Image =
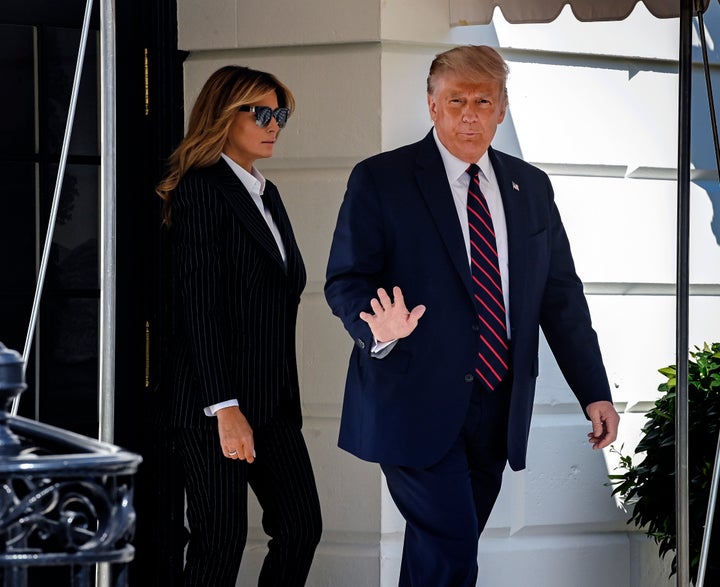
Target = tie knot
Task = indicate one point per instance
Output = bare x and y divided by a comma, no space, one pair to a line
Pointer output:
472,169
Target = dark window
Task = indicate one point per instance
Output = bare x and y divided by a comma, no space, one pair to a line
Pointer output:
38,55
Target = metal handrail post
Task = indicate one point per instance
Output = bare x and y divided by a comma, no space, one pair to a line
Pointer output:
107,222
682,297
107,238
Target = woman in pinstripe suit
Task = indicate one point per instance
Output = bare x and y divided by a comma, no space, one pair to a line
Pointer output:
238,276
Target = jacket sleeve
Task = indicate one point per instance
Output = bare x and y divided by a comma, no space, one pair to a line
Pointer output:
357,256
566,323
200,240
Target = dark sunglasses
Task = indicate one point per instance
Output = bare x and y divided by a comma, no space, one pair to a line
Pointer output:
263,115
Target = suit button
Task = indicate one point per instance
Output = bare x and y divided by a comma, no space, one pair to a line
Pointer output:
360,343
475,327
469,378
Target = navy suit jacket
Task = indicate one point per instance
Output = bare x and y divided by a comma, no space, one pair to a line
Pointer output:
398,226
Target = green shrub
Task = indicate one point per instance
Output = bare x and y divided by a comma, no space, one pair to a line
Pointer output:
648,485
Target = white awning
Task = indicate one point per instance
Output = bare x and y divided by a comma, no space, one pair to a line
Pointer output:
467,12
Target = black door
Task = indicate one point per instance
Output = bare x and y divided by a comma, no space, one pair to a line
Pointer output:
39,42
36,72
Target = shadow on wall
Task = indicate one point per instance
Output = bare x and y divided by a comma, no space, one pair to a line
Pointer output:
711,18
712,189
703,147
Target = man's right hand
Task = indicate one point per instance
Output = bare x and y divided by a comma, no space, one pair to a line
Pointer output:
391,319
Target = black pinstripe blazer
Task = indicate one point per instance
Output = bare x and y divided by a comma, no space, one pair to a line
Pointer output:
236,302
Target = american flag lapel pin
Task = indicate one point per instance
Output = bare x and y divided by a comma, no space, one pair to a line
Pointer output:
516,187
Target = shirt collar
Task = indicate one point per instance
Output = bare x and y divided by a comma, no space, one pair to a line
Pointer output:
254,182
456,168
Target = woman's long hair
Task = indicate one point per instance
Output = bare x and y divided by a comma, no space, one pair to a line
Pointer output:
213,113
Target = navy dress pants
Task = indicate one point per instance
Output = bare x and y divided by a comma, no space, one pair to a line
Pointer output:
447,505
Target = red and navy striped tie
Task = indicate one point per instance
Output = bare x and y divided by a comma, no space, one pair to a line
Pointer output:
492,360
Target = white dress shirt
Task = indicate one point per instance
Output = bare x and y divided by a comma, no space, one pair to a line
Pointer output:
255,184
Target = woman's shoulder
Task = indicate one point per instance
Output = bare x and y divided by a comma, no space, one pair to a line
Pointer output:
199,181
202,175
198,188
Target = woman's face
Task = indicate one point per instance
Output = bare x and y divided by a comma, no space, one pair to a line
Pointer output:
246,141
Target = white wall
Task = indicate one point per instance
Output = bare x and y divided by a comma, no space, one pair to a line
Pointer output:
595,104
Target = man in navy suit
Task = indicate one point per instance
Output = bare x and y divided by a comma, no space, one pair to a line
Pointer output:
403,278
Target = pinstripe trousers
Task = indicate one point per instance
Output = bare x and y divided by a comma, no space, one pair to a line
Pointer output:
282,479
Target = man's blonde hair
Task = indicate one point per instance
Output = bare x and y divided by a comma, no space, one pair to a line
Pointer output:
474,62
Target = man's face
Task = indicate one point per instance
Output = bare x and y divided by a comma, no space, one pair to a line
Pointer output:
466,114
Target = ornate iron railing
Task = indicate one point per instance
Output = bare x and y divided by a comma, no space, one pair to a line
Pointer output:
65,499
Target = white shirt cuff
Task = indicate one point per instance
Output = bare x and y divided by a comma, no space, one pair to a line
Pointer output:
211,410
380,350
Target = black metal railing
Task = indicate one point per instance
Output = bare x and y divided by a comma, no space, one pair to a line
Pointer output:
66,500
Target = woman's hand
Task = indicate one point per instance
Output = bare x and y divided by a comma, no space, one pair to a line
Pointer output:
236,435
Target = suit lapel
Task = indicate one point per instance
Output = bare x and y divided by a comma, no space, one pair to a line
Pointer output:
295,265
434,188
513,196
244,207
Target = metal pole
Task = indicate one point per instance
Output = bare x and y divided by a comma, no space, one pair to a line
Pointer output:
682,296
712,498
107,222
107,238
56,195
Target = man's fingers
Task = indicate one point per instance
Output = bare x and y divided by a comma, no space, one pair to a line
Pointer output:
605,421
398,296
598,429
388,320
417,312
610,426
604,432
596,436
384,298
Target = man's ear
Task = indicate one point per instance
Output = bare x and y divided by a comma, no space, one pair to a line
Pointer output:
504,103
502,115
432,107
